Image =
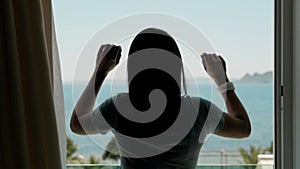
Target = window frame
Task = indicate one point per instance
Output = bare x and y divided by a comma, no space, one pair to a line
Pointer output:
284,79
284,154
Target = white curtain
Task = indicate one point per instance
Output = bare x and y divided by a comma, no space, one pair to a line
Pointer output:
59,99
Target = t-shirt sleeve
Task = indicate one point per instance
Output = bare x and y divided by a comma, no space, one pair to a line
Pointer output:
221,124
103,117
213,118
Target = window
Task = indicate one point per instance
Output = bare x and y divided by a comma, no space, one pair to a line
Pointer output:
242,32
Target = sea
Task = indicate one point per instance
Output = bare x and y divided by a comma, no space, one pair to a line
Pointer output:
256,97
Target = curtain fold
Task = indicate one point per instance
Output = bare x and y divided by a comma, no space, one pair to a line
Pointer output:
32,133
58,99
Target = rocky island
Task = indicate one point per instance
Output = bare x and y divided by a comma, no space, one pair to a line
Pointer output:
266,77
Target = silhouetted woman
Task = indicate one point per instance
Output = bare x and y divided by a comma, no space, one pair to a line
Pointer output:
155,126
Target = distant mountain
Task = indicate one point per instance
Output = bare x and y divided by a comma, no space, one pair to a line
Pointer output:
257,78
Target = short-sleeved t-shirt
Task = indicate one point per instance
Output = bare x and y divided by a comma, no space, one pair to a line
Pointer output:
183,155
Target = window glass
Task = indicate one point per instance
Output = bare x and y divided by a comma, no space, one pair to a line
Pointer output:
242,32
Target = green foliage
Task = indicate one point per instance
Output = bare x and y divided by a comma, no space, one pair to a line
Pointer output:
112,151
251,156
71,149
94,159
269,149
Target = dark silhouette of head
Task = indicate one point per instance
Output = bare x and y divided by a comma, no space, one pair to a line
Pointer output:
154,39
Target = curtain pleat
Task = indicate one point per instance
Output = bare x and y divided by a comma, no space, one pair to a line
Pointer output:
59,99
29,127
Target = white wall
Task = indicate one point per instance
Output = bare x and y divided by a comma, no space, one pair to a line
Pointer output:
296,84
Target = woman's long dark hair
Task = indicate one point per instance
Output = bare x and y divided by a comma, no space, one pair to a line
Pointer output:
141,84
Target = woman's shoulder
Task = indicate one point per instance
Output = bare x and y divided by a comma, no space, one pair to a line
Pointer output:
194,99
120,96
111,100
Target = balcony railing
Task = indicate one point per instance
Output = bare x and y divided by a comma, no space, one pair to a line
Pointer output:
207,160
116,166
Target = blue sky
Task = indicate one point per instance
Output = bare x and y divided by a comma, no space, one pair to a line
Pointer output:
242,31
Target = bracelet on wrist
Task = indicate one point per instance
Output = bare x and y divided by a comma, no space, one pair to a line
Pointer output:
228,86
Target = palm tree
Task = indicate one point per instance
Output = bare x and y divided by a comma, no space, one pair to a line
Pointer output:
251,156
112,151
94,159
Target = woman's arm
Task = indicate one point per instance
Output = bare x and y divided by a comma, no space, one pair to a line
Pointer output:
107,58
237,123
